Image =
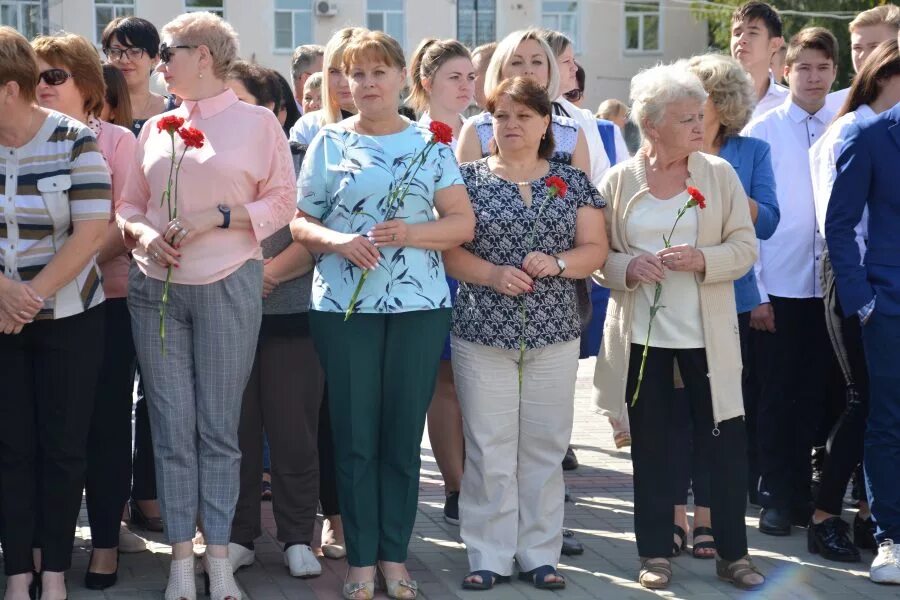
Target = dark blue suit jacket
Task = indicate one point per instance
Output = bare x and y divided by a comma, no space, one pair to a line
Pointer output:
868,174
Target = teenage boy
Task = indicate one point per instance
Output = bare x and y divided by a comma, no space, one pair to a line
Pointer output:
756,37
790,331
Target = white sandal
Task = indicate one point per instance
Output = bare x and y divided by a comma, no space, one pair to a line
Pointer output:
219,579
182,584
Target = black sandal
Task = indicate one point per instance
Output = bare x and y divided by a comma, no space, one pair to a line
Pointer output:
677,548
488,580
538,578
698,531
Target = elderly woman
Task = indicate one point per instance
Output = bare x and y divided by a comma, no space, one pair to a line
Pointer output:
380,349
728,109
233,192
539,229
284,392
524,53
108,478
709,248
55,213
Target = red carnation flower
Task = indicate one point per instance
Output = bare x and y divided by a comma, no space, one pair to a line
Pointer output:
192,138
443,133
697,198
169,124
557,186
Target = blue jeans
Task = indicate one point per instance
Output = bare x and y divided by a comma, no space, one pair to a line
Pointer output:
881,337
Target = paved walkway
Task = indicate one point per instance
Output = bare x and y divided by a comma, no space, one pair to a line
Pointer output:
601,514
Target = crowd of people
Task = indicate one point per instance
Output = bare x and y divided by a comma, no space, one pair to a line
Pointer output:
299,275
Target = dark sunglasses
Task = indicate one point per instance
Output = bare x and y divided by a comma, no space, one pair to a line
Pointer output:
574,95
55,76
165,51
117,54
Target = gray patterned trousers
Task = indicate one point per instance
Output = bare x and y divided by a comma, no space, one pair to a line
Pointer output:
194,392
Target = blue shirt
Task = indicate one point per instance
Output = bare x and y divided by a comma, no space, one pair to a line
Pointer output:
344,182
752,160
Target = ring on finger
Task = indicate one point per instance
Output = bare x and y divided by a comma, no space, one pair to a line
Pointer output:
393,237
178,237
509,286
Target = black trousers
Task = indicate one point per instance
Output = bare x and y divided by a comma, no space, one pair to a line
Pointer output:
793,375
651,432
51,371
691,466
143,485
750,384
328,494
844,448
108,480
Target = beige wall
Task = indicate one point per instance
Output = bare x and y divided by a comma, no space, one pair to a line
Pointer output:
601,42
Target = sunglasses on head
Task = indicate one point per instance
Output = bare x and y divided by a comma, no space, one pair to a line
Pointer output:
55,76
574,95
165,51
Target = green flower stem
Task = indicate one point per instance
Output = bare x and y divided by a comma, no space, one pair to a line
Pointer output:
172,211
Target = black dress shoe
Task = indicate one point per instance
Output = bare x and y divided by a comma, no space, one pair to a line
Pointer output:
864,533
775,521
142,521
100,581
571,546
570,461
831,539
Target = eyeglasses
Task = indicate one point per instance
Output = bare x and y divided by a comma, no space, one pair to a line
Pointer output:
55,76
117,54
574,95
165,51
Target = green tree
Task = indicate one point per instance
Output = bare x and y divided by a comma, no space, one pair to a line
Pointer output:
834,15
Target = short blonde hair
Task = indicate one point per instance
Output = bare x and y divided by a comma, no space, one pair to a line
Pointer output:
207,29
313,82
887,14
730,89
373,46
18,63
653,89
333,59
611,108
504,52
77,55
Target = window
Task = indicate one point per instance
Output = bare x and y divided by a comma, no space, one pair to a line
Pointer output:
476,22
24,16
213,6
642,26
386,16
562,17
293,23
107,10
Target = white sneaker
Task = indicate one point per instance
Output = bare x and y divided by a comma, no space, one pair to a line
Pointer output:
130,542
301,561
240,556
886,566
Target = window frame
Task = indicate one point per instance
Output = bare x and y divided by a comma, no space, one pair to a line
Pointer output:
116,6
20,5
641,16
212,9
558,14
475,13
384,13
276,49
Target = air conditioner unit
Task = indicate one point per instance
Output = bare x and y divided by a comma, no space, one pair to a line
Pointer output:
326,9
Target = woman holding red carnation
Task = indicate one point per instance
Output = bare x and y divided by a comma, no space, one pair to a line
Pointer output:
680,235
235,188
515,338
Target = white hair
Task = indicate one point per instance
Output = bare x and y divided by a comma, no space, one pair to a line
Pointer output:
653,89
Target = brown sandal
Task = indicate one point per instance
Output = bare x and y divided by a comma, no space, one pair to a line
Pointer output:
652,570
738,572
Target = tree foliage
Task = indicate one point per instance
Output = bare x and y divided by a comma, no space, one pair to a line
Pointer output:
834,15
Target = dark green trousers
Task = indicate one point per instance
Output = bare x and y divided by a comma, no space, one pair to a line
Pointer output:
380,370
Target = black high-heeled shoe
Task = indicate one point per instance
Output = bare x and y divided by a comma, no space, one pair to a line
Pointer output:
101,581
139,519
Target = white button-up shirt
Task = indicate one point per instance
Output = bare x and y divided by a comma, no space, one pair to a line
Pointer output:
790,261
598,157
774,97
823,159
835,100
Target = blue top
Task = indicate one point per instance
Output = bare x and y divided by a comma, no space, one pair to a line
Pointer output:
752,160
344,182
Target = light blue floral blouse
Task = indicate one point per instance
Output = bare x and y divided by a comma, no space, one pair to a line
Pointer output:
344,182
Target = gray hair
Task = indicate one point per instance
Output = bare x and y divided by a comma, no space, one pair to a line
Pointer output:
653,89
303,57
210,30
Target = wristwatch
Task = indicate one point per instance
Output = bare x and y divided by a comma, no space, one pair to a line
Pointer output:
226,216
561,264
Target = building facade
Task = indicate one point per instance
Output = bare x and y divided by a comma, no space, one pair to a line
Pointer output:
614,39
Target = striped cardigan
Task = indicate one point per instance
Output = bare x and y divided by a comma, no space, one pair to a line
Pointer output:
55,179
725,236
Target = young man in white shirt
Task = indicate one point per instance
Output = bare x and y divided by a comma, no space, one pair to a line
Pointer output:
756,35
867,31
791,336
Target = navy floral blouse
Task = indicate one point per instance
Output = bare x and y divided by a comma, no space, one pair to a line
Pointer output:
503,224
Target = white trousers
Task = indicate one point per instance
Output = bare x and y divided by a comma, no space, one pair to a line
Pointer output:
511,501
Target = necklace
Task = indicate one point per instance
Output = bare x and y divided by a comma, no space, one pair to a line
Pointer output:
502,168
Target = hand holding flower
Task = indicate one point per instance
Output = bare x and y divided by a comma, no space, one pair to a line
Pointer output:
644,268
538,265
682,258
156,247
510,281
358,250
184,229
391,234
